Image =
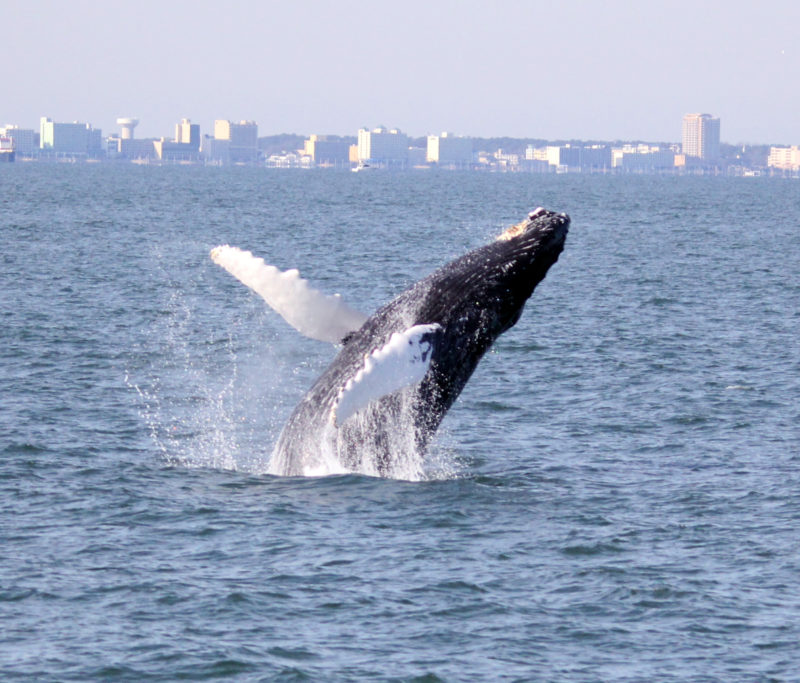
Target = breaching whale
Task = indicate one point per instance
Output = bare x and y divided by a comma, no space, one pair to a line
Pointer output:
399,370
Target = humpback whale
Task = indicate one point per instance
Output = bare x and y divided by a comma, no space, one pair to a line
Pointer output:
398,371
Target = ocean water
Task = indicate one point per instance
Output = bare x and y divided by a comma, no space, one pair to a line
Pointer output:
615,497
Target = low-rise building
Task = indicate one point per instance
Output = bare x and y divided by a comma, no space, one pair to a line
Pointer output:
784,158
571,157
536,153
642,158
170,150
327,152
505,160
289,160
23,140
69,139
6,149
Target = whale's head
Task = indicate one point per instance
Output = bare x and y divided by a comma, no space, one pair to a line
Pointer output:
482,294
541,225
522,254
517,261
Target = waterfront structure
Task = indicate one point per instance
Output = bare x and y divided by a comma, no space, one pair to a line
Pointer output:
784,158
127,125
326,152
700,137
242,137
449,150
289,160
23,140
383,147
69,139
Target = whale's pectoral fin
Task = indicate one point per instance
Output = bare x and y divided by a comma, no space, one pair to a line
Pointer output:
309,311
401,362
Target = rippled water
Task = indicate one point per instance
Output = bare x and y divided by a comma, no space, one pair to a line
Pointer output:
614,497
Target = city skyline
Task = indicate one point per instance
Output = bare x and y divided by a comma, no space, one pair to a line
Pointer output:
522,69
121,127
127,127
239,143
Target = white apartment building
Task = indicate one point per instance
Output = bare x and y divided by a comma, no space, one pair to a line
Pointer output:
383,146
69,138
642,158
700,136
449,149
784,158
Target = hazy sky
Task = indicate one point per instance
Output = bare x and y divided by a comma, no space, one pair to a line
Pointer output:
590,70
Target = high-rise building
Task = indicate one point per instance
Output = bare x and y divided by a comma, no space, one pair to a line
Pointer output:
188,133
701,136
449,149
383,146
242,139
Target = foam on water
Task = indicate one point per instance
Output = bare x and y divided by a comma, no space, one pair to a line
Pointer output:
322,453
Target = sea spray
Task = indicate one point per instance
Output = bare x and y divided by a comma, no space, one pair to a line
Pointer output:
204,397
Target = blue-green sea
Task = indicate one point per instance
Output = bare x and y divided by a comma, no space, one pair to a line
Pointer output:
614,497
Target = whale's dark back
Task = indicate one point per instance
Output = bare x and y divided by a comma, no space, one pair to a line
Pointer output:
474,299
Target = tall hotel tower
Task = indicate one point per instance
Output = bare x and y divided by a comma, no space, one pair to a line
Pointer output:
701,136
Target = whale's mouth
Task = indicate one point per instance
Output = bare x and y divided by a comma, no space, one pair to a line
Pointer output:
539,217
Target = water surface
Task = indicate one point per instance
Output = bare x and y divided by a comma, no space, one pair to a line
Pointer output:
614,496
